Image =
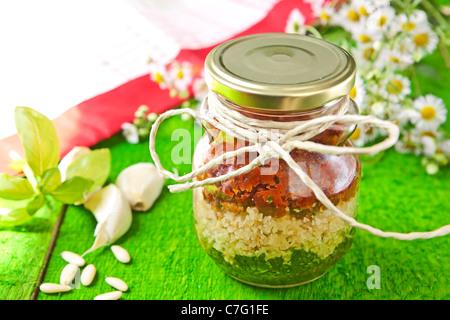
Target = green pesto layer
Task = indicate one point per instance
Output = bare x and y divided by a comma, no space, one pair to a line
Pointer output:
304,265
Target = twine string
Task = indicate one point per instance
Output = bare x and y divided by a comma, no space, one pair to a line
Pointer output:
272,140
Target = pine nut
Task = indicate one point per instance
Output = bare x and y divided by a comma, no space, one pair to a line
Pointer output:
117,283
121,254
88,274
67,274
73,258
114,295
54,288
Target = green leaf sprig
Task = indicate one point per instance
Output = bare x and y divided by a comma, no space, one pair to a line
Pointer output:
42,177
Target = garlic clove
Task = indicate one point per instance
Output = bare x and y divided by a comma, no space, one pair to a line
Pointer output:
70,157
141,184
113,214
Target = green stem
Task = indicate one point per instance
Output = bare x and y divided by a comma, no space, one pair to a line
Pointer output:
314,31
434,12
415,80
445,55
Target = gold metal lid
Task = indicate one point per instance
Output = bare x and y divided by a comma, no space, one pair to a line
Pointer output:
279,71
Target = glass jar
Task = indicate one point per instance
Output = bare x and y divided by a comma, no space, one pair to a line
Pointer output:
266,227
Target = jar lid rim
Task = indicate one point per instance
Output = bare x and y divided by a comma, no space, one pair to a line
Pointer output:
280,71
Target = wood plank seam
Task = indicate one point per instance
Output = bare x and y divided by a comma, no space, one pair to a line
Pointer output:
48,255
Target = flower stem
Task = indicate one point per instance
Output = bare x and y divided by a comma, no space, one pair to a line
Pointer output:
415,80
428,6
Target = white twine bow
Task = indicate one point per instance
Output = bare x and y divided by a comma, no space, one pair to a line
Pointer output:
292,135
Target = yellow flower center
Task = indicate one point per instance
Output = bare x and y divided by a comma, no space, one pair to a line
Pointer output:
158,78
428,113
408,26
363,11
395,59
421,39
395,87
382,21
324,16
353,15
365,38
353,92
428,134
368,53
180,74
356,134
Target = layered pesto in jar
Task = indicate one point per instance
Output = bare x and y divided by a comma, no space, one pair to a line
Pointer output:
269,229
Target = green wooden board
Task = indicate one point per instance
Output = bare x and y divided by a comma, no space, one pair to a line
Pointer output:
168,263
23,250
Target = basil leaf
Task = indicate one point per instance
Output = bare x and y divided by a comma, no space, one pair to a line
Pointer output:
51,179
94,165
39,139
17,216
15,188
14,217
72,190
35,204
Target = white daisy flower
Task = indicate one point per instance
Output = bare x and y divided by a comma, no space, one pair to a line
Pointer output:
429,145
364,7
397,88
400,115
350,17
404,145
417,20
426,141
358,137
363,135
327,14
378,109
130,133
366,35
315,5
181,74
381,18
364,54
358,92
410,141
397,60
158,74
423,41
295,22
432,112
200,88
435,134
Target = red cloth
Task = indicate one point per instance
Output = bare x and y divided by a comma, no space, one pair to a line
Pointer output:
100,117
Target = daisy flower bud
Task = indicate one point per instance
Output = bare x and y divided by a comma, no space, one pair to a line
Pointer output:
130,133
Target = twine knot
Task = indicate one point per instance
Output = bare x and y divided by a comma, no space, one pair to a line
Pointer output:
272,139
